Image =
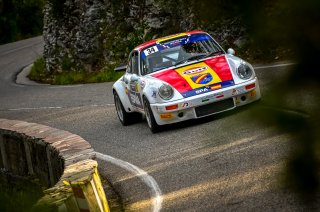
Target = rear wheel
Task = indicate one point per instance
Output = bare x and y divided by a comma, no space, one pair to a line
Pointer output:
124,117
154,127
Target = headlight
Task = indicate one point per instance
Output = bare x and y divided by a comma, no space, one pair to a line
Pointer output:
165,92
244,71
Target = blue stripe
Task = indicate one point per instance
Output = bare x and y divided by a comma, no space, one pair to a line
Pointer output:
206,89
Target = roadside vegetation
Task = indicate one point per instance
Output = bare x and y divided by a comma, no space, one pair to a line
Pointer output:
17,194
71,76
20,19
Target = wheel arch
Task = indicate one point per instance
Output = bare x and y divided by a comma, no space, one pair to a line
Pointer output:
120,91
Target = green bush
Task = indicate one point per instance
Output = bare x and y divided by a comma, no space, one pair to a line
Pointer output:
68,76
20,19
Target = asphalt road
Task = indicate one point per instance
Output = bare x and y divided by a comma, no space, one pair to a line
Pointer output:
229,162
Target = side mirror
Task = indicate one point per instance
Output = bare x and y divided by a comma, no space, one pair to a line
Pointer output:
231,51
120,68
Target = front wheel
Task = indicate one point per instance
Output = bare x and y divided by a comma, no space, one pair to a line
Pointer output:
154,127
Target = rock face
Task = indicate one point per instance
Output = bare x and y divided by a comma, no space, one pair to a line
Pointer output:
90,34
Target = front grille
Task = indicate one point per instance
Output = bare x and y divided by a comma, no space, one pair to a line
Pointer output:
215,107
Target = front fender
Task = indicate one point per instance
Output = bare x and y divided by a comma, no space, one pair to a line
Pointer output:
121,91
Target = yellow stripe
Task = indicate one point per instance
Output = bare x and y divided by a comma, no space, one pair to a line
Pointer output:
171,37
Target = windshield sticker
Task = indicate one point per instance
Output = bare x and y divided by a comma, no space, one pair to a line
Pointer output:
199,37
171,37
150,50
176,42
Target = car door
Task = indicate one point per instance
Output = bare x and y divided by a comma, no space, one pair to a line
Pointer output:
133,79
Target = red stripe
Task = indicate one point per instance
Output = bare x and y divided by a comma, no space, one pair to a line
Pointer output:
221,67
174,79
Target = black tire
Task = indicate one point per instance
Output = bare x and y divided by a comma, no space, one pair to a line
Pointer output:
124,117
154,127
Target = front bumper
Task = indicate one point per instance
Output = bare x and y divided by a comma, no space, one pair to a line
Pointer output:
207,104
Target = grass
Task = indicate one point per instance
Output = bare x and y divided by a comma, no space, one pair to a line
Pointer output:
17,194
39,74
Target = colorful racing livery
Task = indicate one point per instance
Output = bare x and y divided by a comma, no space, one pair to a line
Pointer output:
204,76
180,77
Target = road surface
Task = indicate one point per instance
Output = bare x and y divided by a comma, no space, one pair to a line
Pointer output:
221,163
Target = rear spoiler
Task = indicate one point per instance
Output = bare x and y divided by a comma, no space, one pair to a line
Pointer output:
120,68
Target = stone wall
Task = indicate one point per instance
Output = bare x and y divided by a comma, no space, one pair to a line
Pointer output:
88,34
28,149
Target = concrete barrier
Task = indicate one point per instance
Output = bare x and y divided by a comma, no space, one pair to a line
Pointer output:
62,161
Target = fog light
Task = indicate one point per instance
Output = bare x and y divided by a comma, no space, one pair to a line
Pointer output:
243,98
180,115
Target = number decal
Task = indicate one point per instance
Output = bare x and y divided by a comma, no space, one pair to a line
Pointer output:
151,50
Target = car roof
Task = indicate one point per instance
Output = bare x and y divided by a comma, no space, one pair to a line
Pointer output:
154,41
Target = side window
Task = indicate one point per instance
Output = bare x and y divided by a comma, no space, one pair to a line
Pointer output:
134,63
129,69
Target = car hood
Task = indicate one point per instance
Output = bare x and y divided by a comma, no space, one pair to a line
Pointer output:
198,78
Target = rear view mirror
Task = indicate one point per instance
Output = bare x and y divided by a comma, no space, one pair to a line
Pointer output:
120,68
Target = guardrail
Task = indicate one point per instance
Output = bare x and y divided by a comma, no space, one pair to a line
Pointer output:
62,161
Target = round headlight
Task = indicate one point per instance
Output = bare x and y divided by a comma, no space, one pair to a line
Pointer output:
166,92
244,71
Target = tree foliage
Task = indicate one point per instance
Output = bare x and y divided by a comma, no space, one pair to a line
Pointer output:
20,19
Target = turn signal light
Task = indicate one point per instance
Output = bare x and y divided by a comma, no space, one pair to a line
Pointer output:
171,107
248,87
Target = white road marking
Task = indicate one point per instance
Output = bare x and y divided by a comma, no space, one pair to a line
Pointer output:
273,66
34,108
45,108
66,86
144,176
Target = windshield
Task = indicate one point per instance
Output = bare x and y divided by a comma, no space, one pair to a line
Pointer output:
177,51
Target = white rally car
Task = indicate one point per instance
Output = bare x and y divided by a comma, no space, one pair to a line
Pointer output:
180,77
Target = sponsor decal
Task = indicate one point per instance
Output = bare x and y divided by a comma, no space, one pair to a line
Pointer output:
238,91
154,94
185,105
215,87
234,92
135,99
202,90
142,84
195,70
202,78
132,87
197,75
253,93
166,116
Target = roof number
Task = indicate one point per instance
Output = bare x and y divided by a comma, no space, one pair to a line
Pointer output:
151,50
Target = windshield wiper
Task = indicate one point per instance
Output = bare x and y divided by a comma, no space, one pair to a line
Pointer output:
214,53
194,57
